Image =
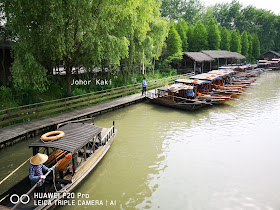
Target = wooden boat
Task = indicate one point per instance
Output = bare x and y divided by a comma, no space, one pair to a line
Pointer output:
87,145
214,99
174,96
184,104
204,95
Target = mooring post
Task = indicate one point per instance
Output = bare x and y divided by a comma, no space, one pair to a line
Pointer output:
113,126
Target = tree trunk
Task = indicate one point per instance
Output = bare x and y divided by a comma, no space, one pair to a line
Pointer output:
68,80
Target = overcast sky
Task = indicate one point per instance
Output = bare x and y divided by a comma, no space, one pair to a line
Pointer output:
273,5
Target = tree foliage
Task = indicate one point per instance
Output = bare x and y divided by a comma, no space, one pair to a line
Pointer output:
250,46
225,39
182,29
80,33
214,38
235,41
255,46
174,46
189,10
244,44
199,37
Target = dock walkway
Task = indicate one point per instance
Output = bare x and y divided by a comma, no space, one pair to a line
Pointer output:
18,132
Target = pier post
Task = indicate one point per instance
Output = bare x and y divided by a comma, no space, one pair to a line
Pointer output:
113,126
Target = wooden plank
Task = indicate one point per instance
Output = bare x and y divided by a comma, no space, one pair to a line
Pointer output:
50,106
4,115
22,111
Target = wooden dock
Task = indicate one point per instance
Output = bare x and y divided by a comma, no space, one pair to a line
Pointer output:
14,133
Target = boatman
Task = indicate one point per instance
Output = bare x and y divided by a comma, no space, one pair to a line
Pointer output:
37,170
144,86
190,93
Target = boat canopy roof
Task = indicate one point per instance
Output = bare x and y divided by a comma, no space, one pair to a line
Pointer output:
174,88
189,82
224,72
206,76
76,136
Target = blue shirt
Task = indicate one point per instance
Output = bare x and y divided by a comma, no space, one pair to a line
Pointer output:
144,83
190,92
35,171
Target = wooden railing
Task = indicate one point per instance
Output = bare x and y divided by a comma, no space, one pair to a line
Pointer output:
108,134
37,110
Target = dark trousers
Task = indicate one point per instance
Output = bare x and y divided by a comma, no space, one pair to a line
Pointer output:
144,90
40,189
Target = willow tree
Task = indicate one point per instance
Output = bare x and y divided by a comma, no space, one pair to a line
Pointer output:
60,32
146,32
244,44
199,37
214,37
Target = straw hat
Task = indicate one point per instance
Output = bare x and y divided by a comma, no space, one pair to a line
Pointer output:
38,159
190,87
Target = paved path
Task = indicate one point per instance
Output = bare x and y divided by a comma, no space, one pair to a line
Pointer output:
21,129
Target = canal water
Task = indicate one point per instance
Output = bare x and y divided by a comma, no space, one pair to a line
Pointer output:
222,157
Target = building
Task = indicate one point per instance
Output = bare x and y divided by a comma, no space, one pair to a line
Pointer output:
208,60
270,55
193,60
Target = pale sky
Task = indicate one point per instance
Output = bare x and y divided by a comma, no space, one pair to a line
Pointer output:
273,5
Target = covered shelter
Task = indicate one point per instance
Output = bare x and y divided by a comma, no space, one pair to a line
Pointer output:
192,60
223,55
206,58
269,55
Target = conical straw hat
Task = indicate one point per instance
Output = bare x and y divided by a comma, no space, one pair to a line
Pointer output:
38,159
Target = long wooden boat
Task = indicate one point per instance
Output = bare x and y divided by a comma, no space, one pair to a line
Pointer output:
85,144
183,104
214,99
175,96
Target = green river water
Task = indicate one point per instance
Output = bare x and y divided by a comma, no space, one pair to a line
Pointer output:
221,157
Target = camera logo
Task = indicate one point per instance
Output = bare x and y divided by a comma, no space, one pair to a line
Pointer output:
15,199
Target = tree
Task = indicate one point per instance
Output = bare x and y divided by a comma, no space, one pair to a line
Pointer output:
80,33
71,33
189,10
256,46
182,29
250,48
174,46
235,45
192,11
190,37
199,37
214,38
225,39
244,44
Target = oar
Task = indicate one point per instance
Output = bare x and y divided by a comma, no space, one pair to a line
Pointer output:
10,174
14,171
